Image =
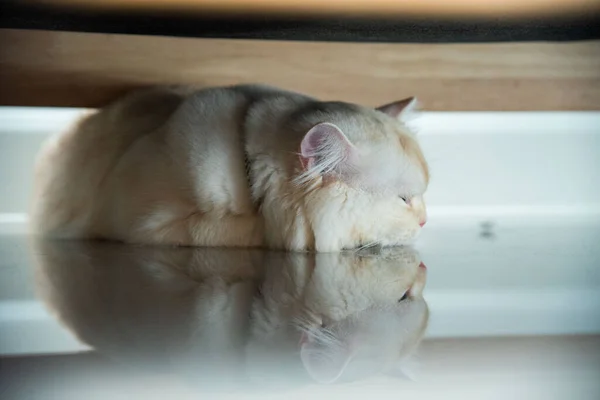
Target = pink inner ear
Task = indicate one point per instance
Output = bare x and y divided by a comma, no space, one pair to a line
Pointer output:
305,162
317,136
396,108
313,140
322,141
309,146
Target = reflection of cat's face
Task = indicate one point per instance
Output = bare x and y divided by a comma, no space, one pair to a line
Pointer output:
367,323
356,313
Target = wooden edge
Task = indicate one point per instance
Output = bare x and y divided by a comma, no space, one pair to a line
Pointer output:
43,68
357,8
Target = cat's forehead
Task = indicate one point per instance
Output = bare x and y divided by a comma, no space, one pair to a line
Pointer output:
390,156
391,165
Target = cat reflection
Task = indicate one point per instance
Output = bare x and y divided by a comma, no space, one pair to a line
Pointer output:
239,316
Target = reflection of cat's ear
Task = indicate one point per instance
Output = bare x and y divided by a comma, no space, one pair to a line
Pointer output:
324,365
325,148
406,368
400,109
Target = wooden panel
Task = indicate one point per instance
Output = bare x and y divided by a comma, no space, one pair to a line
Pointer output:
42,68
404,8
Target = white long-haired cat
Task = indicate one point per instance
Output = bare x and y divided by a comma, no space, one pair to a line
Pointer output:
230,318
240,166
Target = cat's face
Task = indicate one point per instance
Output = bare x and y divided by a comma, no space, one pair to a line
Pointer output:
367,176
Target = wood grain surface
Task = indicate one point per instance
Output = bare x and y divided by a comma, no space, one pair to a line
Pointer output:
50,68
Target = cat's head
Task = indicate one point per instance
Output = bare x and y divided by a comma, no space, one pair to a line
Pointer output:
363,173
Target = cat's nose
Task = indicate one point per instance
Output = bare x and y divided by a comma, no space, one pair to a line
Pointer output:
422,223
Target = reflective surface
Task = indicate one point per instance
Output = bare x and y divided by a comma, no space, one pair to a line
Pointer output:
239,315
98,319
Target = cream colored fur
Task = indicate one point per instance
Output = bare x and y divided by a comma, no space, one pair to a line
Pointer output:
167,166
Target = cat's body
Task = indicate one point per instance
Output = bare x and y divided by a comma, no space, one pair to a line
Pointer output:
241,166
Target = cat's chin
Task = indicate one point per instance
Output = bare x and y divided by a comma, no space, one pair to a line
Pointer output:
411,238
405,242
401,242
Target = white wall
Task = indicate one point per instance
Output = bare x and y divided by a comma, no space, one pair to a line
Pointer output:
502,160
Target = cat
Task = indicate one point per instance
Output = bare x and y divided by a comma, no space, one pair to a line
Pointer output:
229,318
239,166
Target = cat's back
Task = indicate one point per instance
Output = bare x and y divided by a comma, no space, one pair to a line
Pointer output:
74,166
181,146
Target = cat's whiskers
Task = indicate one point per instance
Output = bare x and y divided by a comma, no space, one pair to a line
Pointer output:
320,334
367,245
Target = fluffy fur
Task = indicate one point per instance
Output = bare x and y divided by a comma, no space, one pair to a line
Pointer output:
244,166
239,315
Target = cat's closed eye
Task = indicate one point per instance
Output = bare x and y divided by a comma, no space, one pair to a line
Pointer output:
404,199
404,297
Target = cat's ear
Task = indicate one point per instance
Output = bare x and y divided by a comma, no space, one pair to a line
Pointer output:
325,148
401,109
324,365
